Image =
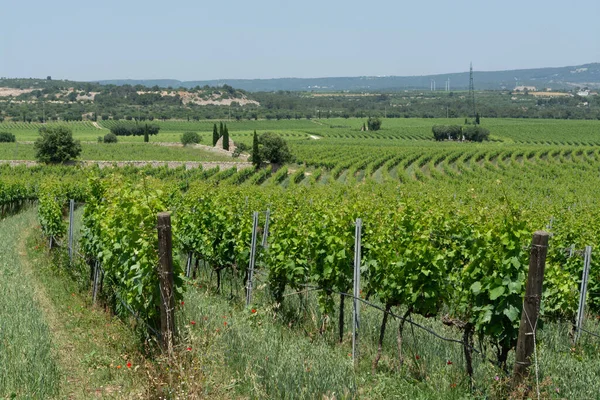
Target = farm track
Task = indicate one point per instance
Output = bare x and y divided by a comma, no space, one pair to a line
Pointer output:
63,348
81,337
28,362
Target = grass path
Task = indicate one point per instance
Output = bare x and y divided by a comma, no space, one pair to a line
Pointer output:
88,354
28,368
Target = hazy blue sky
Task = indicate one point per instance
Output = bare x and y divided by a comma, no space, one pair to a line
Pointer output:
195,40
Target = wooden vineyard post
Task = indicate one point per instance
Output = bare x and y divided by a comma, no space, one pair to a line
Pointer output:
531,305
71,211
356,292
252,259
583,292
165,275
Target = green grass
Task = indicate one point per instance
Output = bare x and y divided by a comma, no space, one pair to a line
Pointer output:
120,152
53,344
262,358
28,368
92,347
171,131
143,151
279,352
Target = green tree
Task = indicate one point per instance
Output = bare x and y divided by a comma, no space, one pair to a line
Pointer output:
225,138
8,137
190,138
477,117
110,138
256,158
374,124
274,149
476,133
215,135
72,96
56,145
447,132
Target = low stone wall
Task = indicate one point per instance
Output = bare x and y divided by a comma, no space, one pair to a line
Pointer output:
14,163
171,164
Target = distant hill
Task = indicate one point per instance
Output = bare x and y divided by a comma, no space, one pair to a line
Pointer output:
555,78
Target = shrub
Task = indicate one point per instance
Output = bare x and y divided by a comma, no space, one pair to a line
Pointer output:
273,149
7,137
471,133
447,132
135,130
121,130
110,138
374,124
56,145
476,133
242,147
190,138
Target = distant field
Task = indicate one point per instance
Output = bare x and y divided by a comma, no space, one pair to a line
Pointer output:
325,141
534,131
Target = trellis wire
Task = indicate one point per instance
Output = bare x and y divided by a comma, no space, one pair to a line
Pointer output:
588,332
127,307
397,317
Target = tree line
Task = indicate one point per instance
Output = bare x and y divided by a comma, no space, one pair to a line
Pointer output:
125,103
471,133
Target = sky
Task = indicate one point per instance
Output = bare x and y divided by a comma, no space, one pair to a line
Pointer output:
202,40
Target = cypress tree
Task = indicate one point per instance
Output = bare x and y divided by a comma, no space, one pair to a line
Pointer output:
256,161
225,138
215,135
220,129
146,137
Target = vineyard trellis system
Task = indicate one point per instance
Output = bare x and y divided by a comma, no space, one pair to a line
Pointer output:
423,254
